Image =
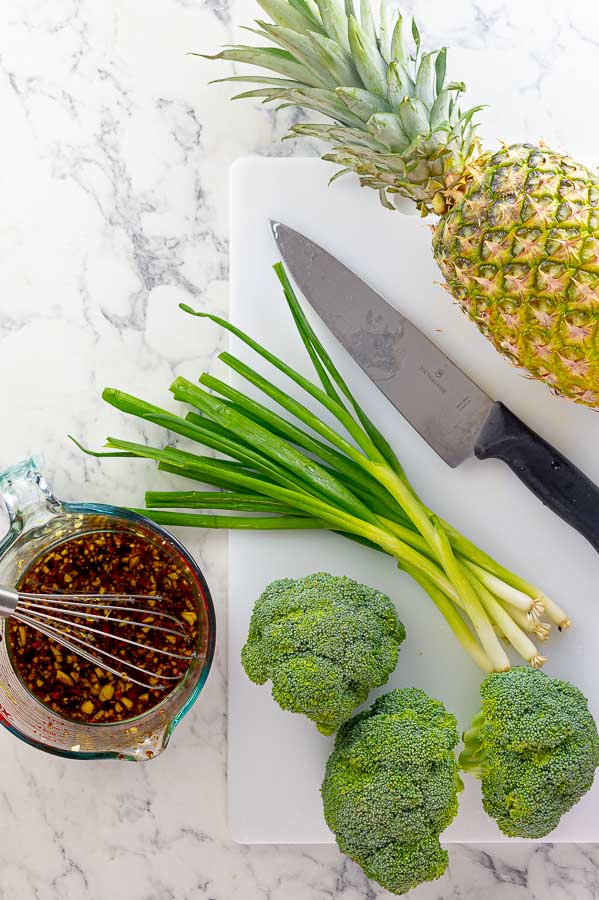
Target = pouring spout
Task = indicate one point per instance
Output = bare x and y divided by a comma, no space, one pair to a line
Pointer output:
146,745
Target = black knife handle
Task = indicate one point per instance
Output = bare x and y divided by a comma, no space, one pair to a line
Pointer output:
543,469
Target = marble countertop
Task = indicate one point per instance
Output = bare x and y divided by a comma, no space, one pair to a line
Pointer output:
114,161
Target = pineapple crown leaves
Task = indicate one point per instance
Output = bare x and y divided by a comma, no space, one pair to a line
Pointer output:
396,122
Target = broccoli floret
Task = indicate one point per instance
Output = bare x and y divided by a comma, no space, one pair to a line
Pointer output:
391,787
324,642
534,745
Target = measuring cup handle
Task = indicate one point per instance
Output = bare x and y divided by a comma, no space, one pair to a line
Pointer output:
26,495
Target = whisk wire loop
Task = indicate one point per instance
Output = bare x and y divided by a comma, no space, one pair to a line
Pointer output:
77,645
66,618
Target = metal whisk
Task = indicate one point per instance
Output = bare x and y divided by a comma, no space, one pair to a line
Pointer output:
75,628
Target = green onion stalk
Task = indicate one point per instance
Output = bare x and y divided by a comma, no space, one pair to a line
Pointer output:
285,468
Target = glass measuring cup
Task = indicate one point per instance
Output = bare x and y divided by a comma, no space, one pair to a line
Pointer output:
39,521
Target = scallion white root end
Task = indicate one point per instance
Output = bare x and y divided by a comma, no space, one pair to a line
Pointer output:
533,606
540,629
537,608
538,661
555,612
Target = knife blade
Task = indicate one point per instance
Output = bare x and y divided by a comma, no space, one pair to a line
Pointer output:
446,408
452,413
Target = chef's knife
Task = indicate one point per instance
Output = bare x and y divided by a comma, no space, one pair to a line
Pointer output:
449,410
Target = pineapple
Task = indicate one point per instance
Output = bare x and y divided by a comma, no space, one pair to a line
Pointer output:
517,233
519,250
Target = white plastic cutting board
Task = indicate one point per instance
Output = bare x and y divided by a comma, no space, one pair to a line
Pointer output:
276,759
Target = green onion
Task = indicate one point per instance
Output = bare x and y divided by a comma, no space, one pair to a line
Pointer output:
249,523
285,468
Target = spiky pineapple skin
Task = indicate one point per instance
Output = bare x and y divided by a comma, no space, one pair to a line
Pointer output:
519,251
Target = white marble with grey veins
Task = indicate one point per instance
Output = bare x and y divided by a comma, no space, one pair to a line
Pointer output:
114,157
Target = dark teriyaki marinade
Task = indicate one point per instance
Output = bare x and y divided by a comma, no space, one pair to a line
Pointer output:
111,562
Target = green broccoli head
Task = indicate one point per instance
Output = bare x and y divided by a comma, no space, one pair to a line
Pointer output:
391,787
324,642
534,745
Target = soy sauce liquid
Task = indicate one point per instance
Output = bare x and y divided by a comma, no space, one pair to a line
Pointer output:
105,562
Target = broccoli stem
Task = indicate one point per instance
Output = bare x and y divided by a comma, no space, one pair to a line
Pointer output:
471,759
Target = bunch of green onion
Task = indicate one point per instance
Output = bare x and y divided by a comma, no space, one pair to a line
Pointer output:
294,471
